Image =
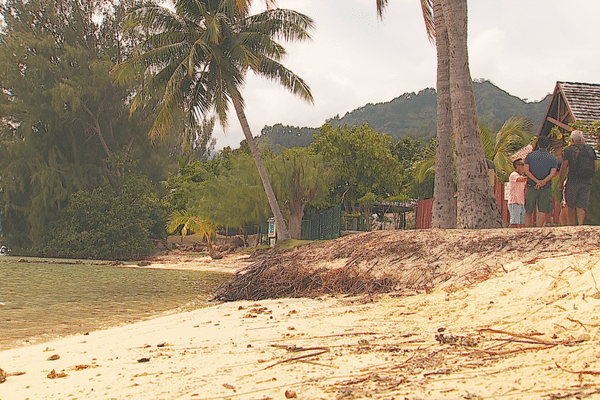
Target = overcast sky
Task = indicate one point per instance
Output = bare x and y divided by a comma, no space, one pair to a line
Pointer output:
522,46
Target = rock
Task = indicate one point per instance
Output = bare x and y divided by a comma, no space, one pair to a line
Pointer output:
290,394
54,357
3,375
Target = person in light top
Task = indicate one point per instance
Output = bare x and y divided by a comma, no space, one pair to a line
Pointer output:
517,184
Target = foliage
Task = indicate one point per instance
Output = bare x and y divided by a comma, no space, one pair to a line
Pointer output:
414,114
424,170
279,136
60,115
498,147
234,196
186,221
195,58
105,225
300,178
363,162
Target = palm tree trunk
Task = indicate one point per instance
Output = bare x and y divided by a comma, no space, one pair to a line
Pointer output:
282,230
444,206
477,207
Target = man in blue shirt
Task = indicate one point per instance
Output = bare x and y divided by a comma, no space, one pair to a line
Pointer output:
540,168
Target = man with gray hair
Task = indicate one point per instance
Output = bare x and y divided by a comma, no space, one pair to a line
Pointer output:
579,165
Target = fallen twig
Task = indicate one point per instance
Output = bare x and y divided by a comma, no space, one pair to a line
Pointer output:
318,353
578,372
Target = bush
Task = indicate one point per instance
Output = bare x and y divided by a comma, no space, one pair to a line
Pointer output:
106,225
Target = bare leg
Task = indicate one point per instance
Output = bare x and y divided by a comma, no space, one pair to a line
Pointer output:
541,219
528,219
570,216
563,218
580,216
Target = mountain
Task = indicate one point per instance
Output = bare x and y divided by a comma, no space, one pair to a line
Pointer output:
414,115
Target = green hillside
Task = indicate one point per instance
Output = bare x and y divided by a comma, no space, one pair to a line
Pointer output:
413,115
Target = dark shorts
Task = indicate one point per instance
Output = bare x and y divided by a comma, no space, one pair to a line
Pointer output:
577,195
540,197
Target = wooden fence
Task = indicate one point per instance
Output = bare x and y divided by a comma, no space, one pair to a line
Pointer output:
424,208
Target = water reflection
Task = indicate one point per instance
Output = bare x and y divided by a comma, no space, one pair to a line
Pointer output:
41,300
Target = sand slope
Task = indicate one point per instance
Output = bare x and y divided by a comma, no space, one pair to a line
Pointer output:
530,330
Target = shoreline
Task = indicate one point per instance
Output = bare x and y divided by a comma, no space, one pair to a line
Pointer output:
529,331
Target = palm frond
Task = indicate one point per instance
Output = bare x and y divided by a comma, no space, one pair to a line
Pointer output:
381,5
273,70
427,9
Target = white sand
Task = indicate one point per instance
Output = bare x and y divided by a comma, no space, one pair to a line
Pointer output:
532,332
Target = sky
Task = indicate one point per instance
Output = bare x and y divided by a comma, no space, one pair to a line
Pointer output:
522,46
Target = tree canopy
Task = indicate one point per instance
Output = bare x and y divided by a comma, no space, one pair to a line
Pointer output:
61,117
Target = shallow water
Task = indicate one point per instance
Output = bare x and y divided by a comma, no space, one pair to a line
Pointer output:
45,299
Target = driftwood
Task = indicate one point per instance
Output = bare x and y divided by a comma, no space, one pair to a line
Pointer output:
399,261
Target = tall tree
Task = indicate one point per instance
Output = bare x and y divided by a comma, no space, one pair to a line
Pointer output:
60,115
363,161
197,58
444,206
477,207
300,177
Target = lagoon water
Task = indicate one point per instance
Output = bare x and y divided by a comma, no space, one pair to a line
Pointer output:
42,299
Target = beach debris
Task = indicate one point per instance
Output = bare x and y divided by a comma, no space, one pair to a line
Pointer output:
290,394
143,359
48,349
55,375
3,376
297,349
229,386
456,340
163,344
54,357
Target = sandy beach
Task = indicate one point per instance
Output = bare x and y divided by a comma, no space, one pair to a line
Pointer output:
529,331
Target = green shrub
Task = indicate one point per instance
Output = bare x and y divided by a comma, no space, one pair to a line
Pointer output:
104,224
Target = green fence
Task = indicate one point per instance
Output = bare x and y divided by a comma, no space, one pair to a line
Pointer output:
322,225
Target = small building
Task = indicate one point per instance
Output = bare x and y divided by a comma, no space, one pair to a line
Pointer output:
572,102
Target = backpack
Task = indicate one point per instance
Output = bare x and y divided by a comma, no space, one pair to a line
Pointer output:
583,164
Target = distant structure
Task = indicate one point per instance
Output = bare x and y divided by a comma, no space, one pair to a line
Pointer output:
572,102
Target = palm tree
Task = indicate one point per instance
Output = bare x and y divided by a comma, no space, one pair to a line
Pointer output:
444,206
477,207
197,57
499,146
189,221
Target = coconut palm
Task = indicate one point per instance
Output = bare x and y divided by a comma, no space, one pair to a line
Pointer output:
477,207
196,59
499,146
188,221
444,206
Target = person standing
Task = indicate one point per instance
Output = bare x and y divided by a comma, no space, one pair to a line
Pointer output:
579,164
540,168
516,195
